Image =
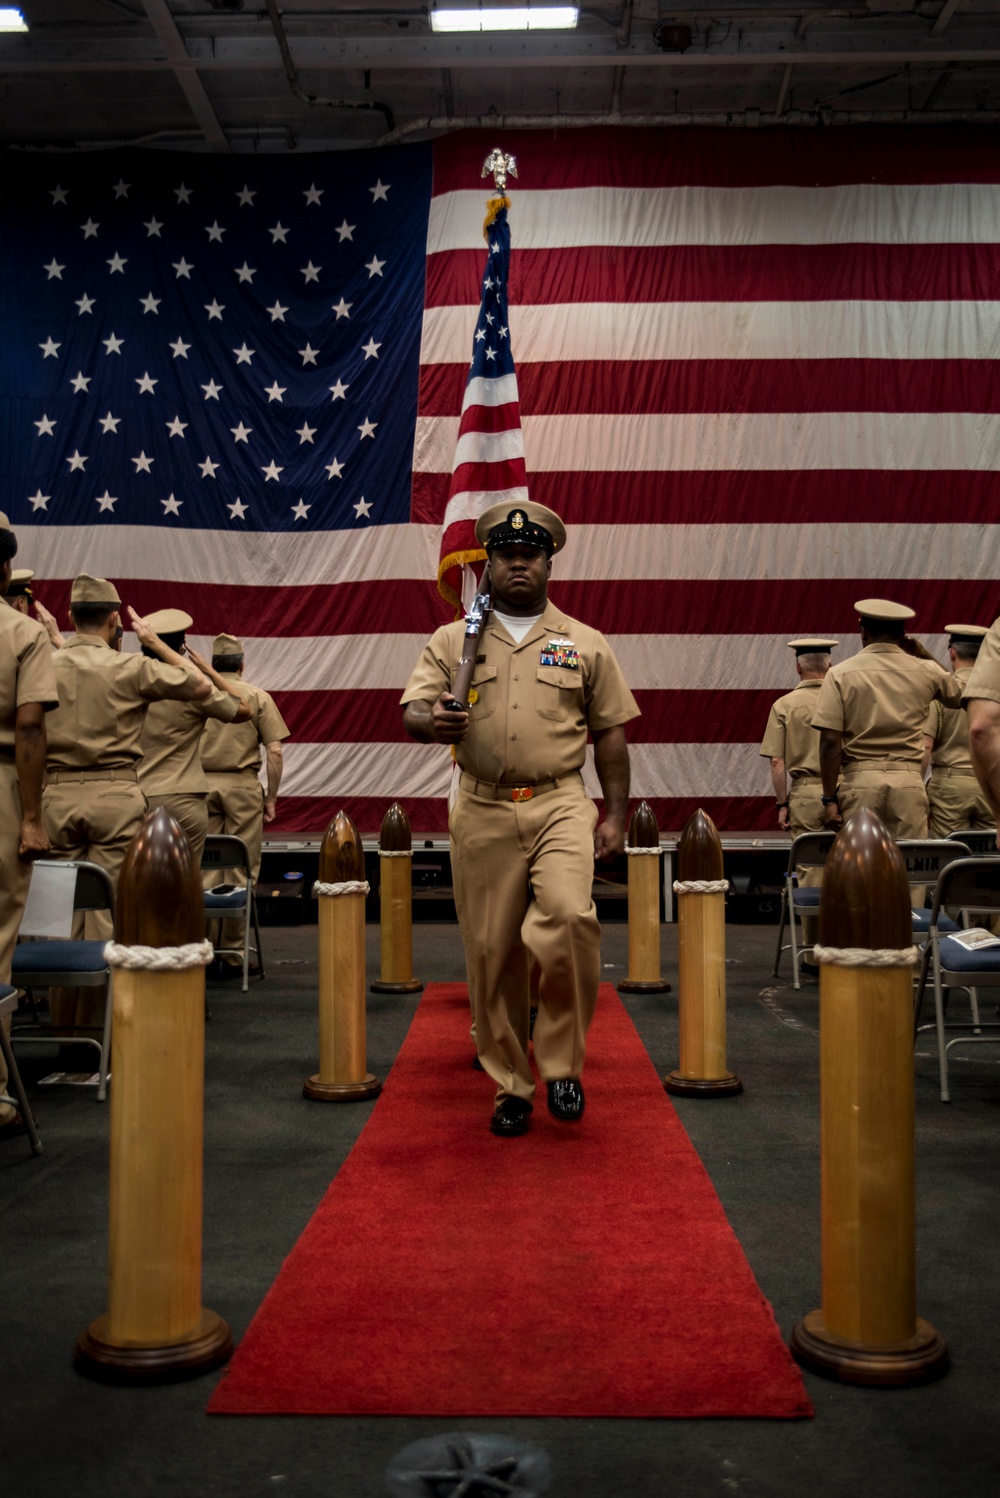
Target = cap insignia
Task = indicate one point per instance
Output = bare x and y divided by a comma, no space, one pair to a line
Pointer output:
517,520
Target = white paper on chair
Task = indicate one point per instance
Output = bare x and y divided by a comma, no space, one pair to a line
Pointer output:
975,937
48,910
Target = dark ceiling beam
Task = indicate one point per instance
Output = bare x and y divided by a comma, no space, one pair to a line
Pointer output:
185,70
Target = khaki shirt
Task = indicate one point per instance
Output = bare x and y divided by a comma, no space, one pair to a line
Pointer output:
984,679
949,728
103,698
235,748
171,764
878,699
25,672
789,733
534,702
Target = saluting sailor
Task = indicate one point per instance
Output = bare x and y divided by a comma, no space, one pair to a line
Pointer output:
524,832
871,714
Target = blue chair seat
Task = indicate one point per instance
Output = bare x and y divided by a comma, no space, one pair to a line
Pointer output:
58,957
234,901
958,959
808,896
922,921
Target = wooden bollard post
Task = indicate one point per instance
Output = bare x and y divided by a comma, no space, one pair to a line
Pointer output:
643,852
868,1330
395,864
156,1329
343,1075
701,988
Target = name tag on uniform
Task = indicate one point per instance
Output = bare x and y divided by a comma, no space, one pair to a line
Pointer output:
559,652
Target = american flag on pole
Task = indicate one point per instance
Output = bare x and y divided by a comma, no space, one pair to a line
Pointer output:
758,379
489,455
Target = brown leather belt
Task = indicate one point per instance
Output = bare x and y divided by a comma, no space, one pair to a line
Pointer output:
490,792
58,777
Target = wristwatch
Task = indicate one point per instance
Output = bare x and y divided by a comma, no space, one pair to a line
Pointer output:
827,800
782,805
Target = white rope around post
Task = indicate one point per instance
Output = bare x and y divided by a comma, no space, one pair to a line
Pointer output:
866,956
700,886
655,852
395,852
349,887
159,959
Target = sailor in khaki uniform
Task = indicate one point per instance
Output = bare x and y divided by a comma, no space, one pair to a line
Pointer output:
19,594
230,757
170,773
981,698
953,791
870,716
27,693
523,836
93,804
793,749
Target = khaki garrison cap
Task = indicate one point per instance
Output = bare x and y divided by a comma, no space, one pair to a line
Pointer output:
87,589
169,621
530,524
227,645
965,631
883,608
809,646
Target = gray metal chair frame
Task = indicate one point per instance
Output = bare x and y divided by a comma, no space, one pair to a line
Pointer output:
93,891
925,857
981,843
809,851
8,1003
968,885
224,851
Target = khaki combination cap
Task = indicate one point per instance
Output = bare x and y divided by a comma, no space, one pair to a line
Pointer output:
809,645
227,645
87,589
21,575
4,522
526,525
959,631
884,608
169,621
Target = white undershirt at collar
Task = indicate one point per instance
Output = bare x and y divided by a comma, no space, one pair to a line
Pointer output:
517,625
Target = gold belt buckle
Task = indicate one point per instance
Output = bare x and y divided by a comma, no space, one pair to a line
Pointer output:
522,793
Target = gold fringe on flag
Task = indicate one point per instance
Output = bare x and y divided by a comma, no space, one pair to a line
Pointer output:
456,559
494,208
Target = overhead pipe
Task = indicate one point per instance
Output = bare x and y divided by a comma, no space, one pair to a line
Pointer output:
292,74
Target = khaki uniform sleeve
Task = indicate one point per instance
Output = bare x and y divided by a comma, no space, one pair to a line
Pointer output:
829,711
948,689
609,701
220,705
271,726
932,724
36,680
432,673
773,743
984,682
158,681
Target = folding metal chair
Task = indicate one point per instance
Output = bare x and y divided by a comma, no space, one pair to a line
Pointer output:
808,851
50,963
924,859
981,843
8,1003
224,852
969,884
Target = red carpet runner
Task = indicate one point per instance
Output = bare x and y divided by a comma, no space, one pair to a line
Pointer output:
583,1269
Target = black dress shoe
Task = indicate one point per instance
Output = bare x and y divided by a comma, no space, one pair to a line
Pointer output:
510,1117
566,1099
477,1065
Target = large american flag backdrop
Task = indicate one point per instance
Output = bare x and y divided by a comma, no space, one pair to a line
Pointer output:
757,374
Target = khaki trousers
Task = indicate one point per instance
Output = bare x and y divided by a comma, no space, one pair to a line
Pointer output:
957,801
892,789
523,874
93,820
191,811
236,807
805,814
15,876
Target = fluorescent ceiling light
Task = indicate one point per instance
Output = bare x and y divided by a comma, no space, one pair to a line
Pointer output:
11,19
507,18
